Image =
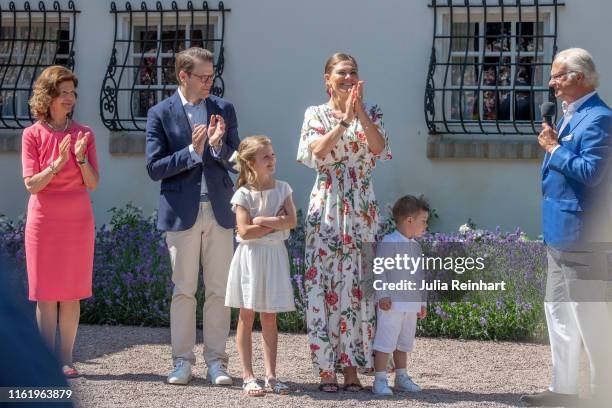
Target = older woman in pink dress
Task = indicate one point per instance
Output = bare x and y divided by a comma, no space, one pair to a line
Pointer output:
59,166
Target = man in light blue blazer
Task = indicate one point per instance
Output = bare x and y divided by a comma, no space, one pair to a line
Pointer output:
190,138
577,228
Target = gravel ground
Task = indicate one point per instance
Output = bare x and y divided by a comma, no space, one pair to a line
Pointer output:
127,367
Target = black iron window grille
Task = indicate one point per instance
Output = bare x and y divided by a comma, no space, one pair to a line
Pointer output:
141,68
489,65
31,39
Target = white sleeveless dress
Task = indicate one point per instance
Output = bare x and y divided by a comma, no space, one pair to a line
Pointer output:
259,275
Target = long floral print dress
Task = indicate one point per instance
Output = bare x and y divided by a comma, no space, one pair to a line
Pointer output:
342,214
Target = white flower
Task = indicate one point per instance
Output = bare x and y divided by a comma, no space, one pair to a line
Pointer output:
464,228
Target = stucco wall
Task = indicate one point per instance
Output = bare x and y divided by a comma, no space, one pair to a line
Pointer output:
275,52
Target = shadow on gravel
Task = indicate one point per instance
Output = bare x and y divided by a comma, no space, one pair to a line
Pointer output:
432,396
140,377
449,396
96,341
196,381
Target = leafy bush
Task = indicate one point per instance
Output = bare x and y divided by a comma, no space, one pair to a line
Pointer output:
132,274
501,320
514,314
132,279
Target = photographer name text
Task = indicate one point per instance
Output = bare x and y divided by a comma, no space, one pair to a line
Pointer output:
438,285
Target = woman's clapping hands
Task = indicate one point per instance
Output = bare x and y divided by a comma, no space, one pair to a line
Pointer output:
354,103
64,152
349,114
80,148
358,104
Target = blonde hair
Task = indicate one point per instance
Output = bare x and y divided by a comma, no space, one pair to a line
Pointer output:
246,153
335,59
46,89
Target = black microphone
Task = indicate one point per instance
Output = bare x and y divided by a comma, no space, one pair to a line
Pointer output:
547,109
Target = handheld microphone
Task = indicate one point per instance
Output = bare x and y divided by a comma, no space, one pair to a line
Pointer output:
547,109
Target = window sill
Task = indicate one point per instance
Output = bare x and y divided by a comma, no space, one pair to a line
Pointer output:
10,140
464,147
127,143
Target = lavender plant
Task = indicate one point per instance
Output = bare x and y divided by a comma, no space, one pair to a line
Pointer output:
132,274
132,278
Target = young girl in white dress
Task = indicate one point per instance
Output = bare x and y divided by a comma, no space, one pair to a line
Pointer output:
259,279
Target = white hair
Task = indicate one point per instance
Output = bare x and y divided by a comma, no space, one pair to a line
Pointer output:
580,60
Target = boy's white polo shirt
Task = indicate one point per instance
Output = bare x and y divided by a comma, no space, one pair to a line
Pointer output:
415,250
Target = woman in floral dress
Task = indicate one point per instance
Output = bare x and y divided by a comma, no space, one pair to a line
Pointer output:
341,140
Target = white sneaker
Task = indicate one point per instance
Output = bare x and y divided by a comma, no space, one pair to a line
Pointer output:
181,373
381,387
217,374
403,382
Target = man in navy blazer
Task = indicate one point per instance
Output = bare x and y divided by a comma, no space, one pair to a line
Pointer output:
190,138
576,226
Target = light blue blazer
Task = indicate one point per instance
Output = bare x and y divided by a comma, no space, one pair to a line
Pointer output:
574,175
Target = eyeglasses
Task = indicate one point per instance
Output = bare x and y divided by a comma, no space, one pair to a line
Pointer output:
557,77
203,78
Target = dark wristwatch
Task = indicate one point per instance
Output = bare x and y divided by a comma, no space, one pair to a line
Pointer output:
344,124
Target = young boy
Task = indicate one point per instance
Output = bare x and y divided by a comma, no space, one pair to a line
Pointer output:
398,310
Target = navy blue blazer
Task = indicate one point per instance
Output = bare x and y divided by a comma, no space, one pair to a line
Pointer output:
169,160
575,175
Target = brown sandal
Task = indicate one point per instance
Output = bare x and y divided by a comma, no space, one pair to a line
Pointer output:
329,387
353,387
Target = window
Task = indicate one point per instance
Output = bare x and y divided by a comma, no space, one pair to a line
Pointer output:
141,69
489,66
30,41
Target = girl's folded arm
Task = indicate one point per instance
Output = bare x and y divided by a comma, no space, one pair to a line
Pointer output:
286,220
246,230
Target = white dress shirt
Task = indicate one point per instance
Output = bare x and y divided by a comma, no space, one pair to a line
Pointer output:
570,108
568,113
196,113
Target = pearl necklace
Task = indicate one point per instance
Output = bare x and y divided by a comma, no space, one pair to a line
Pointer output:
58,130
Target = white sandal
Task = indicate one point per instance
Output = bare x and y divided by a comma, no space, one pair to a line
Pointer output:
252,388
277,387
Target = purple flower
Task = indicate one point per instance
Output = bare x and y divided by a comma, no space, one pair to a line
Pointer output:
483,321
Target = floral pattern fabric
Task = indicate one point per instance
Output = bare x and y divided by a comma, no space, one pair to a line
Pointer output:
342,215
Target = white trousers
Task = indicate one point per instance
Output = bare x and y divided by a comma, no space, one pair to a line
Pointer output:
395,330
211,246
576,314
